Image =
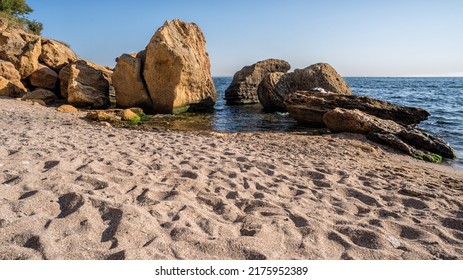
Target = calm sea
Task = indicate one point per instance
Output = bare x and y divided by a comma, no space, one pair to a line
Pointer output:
442,97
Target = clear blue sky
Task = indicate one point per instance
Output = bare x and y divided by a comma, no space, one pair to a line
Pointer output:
358,37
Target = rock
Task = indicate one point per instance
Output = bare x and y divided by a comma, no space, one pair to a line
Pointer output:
38,102
309,108
44,77
21,49
427,142
319,77
396,143
129,84
64,80
101,116
9,88
66,108
41,94
272,91
355,121
128,115
243,89
56,55
11,84
177,69
87,86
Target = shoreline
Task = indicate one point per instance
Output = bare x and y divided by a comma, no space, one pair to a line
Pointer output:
74,190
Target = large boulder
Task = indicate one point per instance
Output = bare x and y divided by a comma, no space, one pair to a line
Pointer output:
63,76
177,68
10,80
21,49
309,107
320,75
275,87
129,84
44,77
272,91
243,89
56,55
88,86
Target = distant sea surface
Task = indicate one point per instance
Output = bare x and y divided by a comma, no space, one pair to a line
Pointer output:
442,97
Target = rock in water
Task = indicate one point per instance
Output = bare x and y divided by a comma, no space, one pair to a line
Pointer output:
320,77
177,69
88,86
129,84
243,89
309,107
44,77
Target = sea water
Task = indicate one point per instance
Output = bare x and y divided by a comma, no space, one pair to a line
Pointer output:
442,97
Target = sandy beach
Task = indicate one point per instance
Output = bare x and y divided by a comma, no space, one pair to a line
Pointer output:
70,189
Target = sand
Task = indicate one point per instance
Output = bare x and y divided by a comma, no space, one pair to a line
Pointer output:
70,189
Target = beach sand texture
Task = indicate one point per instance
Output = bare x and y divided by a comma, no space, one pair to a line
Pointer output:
73,190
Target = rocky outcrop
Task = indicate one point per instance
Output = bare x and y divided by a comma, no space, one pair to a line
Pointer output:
355,121
21,49
87,86
275,87
44,77
243,89
48,97
408,140
10,80
309,107
177,68
56,55
129,83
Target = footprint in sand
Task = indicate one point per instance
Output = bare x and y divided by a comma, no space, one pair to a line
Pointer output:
70,203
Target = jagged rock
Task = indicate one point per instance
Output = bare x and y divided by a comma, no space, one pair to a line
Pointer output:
66,108
427,142
10,82
355,121
320,77
41,94
177,68
129,84
64,80
243,89
56,55
44,77
272,91
21,49
88,86
309,108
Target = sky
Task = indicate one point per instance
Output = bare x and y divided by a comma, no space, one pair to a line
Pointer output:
357,37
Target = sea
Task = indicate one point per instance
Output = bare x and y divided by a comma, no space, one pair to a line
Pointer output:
441,97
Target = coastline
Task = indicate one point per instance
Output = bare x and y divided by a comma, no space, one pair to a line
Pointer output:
73,190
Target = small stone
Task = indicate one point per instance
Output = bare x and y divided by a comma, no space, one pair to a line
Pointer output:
66,108
128,115
394,241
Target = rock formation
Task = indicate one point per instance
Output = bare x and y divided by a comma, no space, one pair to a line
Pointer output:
275,87
243,89
309,107
87,86
48,97
129,83
177,68
406,139
44,77
32,61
